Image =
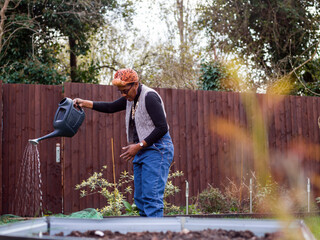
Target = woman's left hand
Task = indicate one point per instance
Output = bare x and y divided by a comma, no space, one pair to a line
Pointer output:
130,151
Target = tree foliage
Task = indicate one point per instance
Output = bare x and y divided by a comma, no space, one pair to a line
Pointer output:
212,76
175,61
223,76
273,35
307,81
30,32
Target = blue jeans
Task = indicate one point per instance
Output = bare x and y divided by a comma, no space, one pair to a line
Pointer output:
151,167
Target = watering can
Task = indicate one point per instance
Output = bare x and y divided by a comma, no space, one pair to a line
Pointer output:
67,121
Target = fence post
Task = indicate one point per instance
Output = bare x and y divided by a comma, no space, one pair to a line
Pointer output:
187,197
250,195
308,192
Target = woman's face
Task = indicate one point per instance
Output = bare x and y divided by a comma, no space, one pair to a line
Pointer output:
129,91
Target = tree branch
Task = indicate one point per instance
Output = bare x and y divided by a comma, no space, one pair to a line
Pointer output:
302,64
2,20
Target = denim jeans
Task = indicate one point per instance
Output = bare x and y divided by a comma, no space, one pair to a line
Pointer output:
151,167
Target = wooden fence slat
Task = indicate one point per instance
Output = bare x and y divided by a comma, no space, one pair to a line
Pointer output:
183,151
195,141
87,167
176,130
43,151
310,135
45,128
207,138
55,191
200,141
5,150
237,144
1,140
316,115
217,137
213,137
189,148
75,146
84,142
288,122
96,121
12,153
316,187
67,158
20,110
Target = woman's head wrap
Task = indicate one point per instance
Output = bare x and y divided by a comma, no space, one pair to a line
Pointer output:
125,76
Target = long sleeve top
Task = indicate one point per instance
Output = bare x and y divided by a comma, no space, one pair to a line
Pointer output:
154,109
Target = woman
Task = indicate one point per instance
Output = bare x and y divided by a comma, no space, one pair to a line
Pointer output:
149,142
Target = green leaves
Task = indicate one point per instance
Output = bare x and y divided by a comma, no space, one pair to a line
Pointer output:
31,39
212,74
266,34
30,72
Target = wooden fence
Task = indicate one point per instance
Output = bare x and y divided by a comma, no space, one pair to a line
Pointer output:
218,137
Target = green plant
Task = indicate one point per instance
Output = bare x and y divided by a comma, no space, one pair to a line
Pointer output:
212,75
235,197
131,210
212,200
115,199
116,203
192,209
171,190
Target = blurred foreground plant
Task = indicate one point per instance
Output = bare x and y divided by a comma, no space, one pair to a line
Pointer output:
274,156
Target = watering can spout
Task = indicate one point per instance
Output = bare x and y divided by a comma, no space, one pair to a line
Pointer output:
55,133
34,141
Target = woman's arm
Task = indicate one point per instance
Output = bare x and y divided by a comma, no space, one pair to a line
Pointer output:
106,107
156,113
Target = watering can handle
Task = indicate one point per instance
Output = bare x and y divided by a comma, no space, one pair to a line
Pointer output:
80,108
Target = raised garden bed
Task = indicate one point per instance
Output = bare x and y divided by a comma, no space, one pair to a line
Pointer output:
146,228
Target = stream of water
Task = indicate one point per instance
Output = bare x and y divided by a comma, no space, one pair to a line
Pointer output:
28,195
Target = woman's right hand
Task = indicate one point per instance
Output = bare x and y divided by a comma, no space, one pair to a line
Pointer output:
82,103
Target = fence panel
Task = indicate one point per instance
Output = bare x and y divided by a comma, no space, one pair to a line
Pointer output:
28,112
204,156
91,148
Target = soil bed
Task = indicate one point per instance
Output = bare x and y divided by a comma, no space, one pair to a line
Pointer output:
214,234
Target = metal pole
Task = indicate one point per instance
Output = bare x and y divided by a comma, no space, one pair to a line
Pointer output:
250,195
308,191
187,197
58,153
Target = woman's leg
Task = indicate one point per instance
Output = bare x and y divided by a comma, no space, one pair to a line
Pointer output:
156,161
137,169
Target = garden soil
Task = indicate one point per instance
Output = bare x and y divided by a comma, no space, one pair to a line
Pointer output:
185,234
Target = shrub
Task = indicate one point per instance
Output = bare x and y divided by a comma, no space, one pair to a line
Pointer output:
116,202
115,199
212,200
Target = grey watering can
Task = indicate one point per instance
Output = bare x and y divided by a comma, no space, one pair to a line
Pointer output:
67,121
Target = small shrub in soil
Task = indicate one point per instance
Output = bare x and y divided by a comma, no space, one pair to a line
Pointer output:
212,200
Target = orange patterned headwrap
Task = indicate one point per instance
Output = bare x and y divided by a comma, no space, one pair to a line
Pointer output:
125,76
